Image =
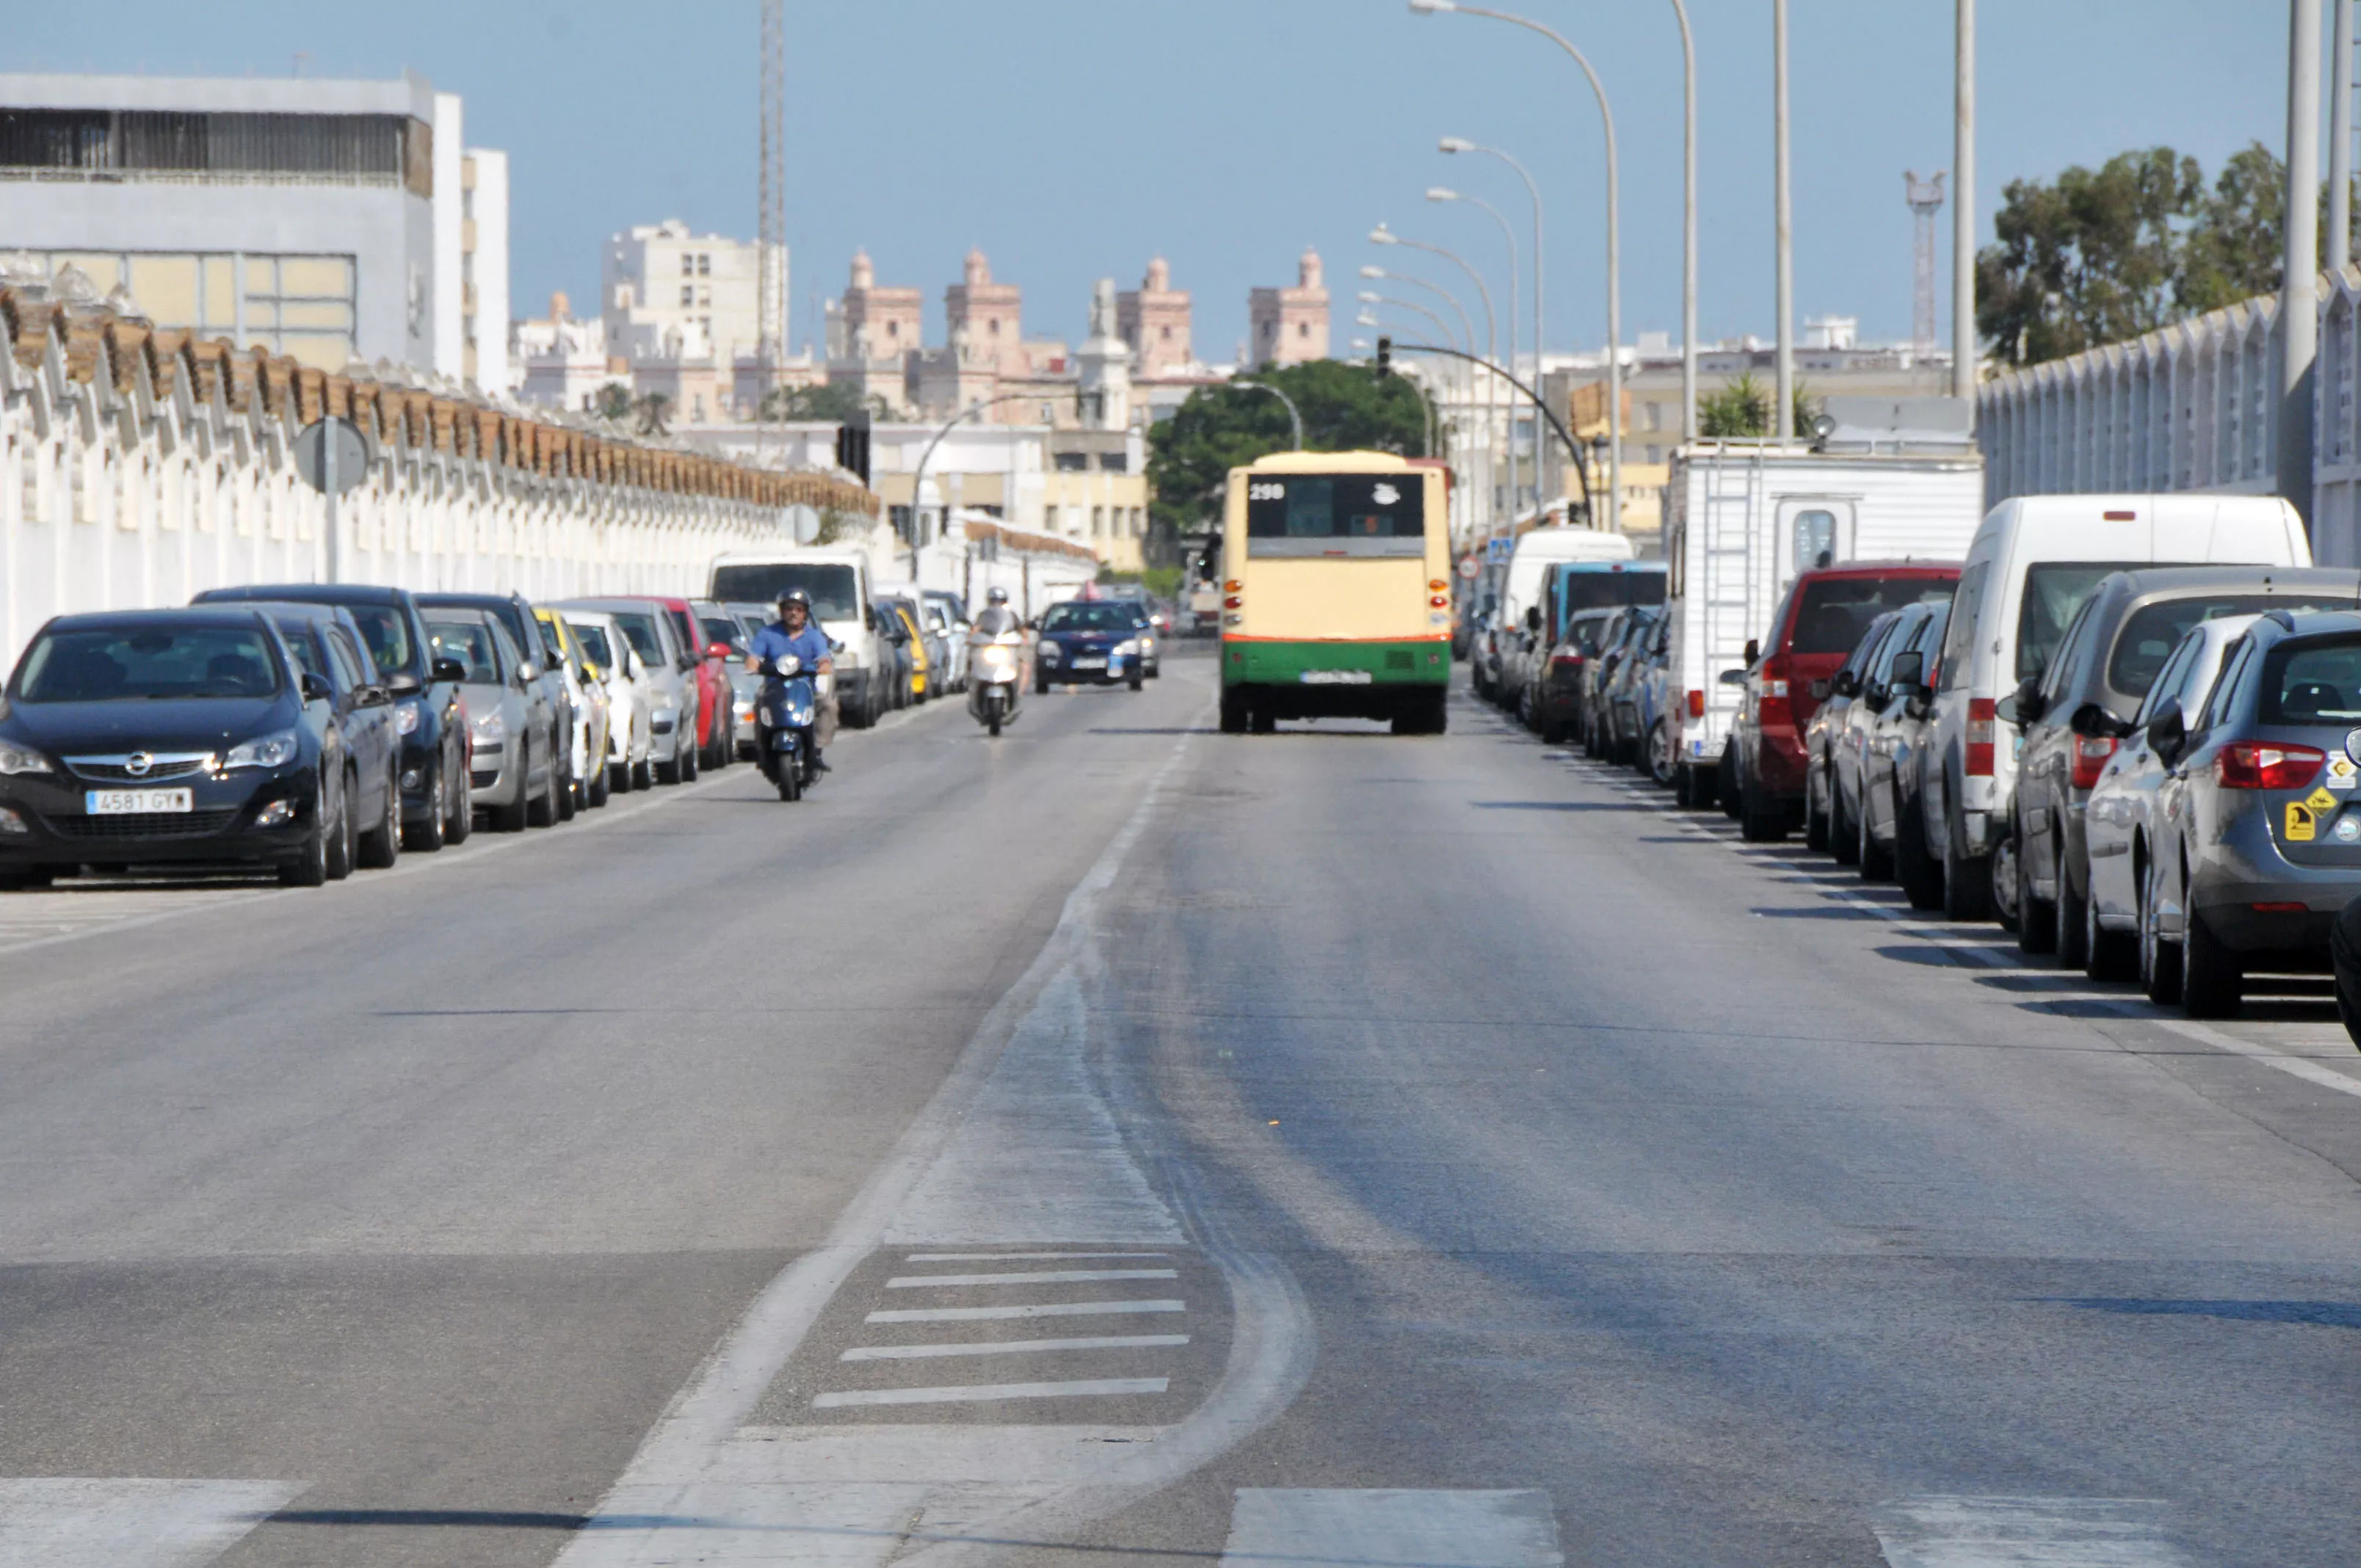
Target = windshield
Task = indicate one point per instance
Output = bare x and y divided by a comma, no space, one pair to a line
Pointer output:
1335,514
1837,610
1600,590
2054,591
721,628
470,642
835,591
640,632
387,630
1088,617
2316,681
2152,631
594,644
148,662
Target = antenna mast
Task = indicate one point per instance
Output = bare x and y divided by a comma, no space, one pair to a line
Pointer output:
771,325
1925,199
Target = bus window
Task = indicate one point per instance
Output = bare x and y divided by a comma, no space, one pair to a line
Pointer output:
1335,514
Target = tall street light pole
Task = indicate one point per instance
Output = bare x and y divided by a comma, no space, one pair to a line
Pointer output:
1466,326
1688,228
1963,210
1783,415
1540,279
1371,297
2299,266
1443,193
1384,235
1614,518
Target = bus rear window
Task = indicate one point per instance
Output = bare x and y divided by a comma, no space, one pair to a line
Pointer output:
1336,514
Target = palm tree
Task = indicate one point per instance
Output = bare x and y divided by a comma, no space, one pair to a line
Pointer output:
651,413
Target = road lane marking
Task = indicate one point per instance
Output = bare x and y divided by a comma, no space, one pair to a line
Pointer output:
106,1522
1301,1528
1010,1346
2024,1532
1031,1310
1044,1276
982,1393
1020,1256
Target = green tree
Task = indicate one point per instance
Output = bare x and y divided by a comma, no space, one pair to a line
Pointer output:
1345,408
2233,249
615,401
2093,259
1740,408
832,403
654,409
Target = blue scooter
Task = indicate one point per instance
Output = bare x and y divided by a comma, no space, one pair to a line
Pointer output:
784,720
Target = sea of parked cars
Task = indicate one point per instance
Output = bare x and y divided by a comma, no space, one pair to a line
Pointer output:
2134,740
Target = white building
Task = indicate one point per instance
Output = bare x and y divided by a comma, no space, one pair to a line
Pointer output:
559,362
325,220
670,294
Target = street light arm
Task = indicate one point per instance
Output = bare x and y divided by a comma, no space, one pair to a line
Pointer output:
1573,447
918,475
1294,417
1440,324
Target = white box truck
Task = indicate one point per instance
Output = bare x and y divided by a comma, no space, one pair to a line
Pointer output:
1742,518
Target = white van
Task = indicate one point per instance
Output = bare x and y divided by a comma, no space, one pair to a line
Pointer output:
2030,565
836,578
1501,655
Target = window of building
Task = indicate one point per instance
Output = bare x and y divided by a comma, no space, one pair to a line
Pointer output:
1098,523
705,265
1114,463
687,265
688,293
992,327
1303,329
893,329
1072,462
297,305
1167,333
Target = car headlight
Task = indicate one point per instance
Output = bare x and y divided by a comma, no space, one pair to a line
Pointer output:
405,717
263,751
1051,652
16,759
1123,649
490,727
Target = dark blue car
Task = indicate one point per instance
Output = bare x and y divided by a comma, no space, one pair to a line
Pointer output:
163,736
1089,641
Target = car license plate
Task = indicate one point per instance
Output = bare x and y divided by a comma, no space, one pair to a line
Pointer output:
1334,678
128,802
1089,664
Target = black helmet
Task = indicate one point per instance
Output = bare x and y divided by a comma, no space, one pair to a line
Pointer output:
796,596
997,596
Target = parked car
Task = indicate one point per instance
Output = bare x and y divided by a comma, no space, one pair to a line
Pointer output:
1151,643
1516,632
948,613
1598,673
1558,700
710,738
1849,751
671,674
515,614
2032,562
1893,834
360,751
1644,638
165,736
514,740
435,810
1092,641
2119,820
1571,588
1819,622
836,578
895,657
913,641
2258,845
2073,715
1653,691
630,698
745,685
1831,697
586,694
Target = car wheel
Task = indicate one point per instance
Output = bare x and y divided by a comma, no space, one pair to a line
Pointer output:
594,794
2106,955
541,810
669,773
2213,976
643,774
428,835
1138,680
1233,713
1683,786
463,807
1660,754
1725,781
1876,862
1967,878
1760,822
688,761
343,839
2037,918
511,818
2159,960
1920,873
26,880
1844,836
311,869
2344,964
1816,821
2073,917
380,846
570,795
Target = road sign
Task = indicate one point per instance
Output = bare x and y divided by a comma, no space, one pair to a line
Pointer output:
1470,567
352,452
803,522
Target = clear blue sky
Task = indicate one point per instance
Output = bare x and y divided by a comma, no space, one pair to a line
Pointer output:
1073,139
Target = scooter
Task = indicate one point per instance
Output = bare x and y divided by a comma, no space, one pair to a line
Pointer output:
783,719
995,674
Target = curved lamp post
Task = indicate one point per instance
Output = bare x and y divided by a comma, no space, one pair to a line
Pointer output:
1294,417
1384,235
1445,194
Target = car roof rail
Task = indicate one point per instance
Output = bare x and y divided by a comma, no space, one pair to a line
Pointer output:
2286,621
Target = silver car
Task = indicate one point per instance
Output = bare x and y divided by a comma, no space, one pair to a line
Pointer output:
514,772
630,697
2257,829
671,682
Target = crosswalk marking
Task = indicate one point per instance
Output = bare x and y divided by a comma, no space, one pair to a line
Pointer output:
1049,1276
1028,1309
1300,1527
1019,1257
2025,1532
982,1392
1009,1346
77,1522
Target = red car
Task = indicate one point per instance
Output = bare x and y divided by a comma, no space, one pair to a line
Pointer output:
717,735
1818,623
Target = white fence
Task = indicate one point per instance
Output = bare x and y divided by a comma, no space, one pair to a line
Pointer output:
2193,406
138,467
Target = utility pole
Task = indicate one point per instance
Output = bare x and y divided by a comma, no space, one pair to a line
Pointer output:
771,217
1963,211
1925,199
2340,139
2300,267
1783,419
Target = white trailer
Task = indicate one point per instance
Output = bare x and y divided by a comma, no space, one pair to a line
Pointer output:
1742,518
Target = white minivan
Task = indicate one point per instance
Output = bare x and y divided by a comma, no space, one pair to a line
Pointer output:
836,578
1512,630
2030,565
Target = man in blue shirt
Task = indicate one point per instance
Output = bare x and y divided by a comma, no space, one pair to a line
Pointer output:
793,632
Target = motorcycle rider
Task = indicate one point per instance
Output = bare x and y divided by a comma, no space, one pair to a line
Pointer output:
793,632
997,619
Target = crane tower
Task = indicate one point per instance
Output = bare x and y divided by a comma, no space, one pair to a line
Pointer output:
1925,199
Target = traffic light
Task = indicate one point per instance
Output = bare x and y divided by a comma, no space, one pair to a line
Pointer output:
852,445
1385,357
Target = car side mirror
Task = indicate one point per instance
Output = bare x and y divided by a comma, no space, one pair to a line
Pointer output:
1753,655
316,687
371,696
2029,701
687,662
2168,730
1909,670
1534,618
401,683
1820,690
527,673
1917,705
448,669
1733,677
718,651
2092,719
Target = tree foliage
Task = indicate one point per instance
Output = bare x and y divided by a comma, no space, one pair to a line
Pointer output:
830,403
1743,408
1345,408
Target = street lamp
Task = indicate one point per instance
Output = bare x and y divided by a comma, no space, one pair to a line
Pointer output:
1293,417
1384,235
1445,194
1468,327
1541,282
1614,245
1369,297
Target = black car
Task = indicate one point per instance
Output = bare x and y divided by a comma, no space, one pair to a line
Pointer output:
163,736
428,713
360,747
514,613
1089,641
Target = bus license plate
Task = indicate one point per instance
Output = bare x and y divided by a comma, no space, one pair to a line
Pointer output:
133,801
1334,678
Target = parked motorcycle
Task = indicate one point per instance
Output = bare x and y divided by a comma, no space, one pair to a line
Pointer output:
785,714
995,674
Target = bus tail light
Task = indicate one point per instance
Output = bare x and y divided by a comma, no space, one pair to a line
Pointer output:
1697,704
1439,601
1234,602
1438,586
2250,764
2091,754
1233,585
1978,763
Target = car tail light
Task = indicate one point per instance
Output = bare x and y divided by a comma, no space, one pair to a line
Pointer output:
1567,658
1697,704
1770,706
2091,754
1439,601
1981,723
2254,765
2281,908
1234,602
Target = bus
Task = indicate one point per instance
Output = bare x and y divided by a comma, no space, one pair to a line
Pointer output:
1336,591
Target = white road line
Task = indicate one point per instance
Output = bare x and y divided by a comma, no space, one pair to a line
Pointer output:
1045,1276
1010,1346
1020,1256
984,1393
1390,1529
2024,1532
1032,1310
75,1522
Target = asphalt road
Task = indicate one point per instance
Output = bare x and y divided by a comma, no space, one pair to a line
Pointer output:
1124,1143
